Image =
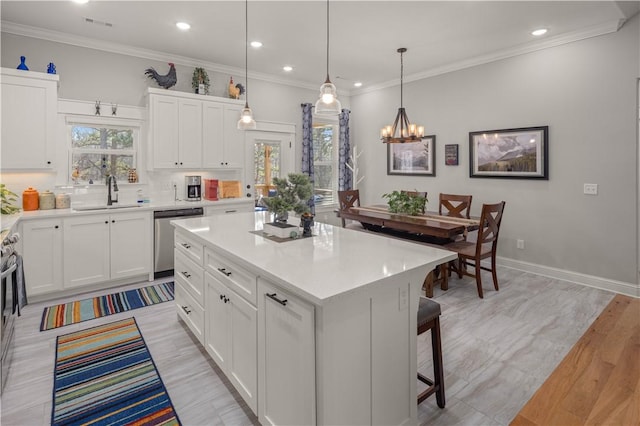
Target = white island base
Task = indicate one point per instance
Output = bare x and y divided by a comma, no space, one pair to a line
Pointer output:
336,319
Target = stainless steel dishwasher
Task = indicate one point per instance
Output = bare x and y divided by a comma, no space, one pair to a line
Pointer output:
163,238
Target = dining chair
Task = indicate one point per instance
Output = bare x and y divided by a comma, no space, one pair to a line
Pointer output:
347,199
472,253
455,205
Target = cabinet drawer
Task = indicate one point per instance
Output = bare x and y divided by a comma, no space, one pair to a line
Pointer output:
230,273
187,245
190,312
190,276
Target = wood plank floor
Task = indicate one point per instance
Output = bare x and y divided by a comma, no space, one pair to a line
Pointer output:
598,382
497,352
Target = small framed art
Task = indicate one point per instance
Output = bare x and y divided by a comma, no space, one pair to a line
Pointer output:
451,154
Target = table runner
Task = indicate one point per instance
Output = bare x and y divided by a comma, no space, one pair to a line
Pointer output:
447,219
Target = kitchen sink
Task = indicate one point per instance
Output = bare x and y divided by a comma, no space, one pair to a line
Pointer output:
104,207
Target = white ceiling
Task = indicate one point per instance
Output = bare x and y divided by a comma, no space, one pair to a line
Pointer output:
439,35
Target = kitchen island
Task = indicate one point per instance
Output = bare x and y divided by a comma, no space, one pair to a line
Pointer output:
317,330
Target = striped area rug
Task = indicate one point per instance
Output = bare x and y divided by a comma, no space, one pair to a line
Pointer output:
105,375
96,307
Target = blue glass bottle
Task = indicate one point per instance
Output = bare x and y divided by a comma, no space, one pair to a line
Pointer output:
22,65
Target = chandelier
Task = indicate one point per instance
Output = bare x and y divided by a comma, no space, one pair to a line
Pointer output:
402,130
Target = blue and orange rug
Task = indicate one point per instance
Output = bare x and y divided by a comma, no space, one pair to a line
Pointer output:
105,375
96,307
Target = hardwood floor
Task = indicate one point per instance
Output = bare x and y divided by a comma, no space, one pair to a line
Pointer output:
598,382
497,352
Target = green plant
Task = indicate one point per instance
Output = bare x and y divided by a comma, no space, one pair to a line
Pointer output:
7,199
291,194
200,77
403,202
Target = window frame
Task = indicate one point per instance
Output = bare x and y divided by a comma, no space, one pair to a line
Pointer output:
103,122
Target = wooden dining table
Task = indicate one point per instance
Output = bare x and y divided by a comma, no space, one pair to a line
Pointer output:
378,217
428,228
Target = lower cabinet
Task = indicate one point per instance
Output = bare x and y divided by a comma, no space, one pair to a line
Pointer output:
72,252
191,312
286,358
231,337
42,249
100,248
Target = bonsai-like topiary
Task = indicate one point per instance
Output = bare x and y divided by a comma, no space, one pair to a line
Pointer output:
403,202
292,194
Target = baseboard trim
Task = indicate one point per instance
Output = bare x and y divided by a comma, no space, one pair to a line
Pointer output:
628,289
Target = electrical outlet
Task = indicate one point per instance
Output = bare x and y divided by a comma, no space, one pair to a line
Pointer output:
591,188
520,244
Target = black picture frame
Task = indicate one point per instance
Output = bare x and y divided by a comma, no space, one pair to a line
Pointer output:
520,153
451,155
412,158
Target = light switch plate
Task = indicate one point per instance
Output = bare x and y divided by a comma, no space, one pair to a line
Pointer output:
591,188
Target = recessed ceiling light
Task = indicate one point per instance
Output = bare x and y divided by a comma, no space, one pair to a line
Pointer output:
287,68
80,1
539,32
357,84
183,26
256,44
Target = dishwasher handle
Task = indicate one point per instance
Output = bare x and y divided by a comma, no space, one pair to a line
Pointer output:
194,211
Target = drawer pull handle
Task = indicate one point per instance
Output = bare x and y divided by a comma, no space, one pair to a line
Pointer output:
185,245
186,310
274,297
224,271
186,274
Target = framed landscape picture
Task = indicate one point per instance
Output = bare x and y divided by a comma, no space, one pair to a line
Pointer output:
510,153
412,158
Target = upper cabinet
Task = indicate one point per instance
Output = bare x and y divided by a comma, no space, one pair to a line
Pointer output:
193,131
29,109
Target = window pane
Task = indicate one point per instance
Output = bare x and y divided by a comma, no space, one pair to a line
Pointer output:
323,143
267,166
323,176
96,166
88,137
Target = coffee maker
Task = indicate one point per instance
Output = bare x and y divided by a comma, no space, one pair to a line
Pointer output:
193,187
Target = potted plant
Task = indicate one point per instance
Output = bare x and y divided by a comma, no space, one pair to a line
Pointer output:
200,81
292,194
7,198
404,202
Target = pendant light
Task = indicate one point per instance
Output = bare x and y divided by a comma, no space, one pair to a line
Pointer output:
407,132
328,103
246,121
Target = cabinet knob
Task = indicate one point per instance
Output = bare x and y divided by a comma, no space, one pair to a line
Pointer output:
113,221
106,221
176,163
181,163
48,162
56,227
226,299
273,296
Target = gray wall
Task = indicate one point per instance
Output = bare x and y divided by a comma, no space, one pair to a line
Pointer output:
586,93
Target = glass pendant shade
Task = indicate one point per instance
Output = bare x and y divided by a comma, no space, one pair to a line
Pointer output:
328,103
246,121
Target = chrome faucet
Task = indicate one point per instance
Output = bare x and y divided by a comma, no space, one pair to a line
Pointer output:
112,199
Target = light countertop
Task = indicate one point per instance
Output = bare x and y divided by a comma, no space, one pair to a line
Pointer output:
332,262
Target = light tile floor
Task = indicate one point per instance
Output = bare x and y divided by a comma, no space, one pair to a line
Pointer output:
497,352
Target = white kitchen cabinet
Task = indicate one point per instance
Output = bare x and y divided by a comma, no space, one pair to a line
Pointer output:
86,250
286,358
42,251
190,311
223,143
100,248
190,131
130,244
29,110
231,337
230,206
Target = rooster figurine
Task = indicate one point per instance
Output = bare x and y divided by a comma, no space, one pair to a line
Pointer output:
165,81
235,91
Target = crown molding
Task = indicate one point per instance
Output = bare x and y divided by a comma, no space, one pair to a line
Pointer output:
86,42
594,31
